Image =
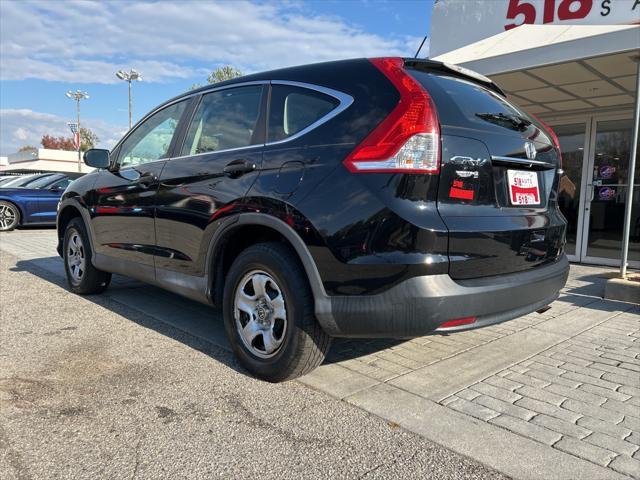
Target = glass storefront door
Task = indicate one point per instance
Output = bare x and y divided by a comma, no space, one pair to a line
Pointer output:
593,189
572,144
606,195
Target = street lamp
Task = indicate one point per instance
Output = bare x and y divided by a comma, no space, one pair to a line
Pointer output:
77,96
129,77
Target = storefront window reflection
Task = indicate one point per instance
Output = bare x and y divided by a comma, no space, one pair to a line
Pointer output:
610,186
572,145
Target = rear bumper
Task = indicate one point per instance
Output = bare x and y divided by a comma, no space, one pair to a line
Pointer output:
420,305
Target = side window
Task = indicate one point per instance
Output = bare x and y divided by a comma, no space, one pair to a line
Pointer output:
294,108
60,184
151,140
224,119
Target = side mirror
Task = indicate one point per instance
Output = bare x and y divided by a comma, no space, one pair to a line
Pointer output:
56,188
97,158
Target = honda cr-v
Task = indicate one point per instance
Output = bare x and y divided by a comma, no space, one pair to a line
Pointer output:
380,197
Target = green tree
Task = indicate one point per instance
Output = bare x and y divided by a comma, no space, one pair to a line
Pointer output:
27,148
220,74
223,73
88,139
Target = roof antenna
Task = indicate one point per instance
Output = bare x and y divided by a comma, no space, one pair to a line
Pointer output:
421,45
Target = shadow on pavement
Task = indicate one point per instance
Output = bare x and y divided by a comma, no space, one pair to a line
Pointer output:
591,285
196,326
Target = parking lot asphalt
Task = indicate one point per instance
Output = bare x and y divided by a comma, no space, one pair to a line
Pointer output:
94,388
141,370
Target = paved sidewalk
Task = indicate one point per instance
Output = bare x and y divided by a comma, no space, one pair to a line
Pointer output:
545,396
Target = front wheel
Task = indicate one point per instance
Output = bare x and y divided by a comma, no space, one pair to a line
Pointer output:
9,216
83,278
269,315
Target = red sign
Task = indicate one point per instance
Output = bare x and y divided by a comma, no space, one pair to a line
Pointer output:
552,10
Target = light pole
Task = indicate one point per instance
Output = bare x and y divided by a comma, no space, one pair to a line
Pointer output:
129,77
77,96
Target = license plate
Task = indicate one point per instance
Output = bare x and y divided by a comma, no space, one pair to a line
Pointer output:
523,187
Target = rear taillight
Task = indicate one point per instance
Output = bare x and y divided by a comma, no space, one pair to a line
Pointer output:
406,141
554,137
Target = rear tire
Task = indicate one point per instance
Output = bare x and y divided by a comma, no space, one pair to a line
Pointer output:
269,314
82,277
9,216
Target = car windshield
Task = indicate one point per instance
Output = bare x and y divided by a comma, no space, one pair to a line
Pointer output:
42,182
21,181
6,180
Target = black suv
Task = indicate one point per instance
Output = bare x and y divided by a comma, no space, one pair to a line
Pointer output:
380,197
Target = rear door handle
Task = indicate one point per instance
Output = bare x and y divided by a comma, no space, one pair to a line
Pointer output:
239,167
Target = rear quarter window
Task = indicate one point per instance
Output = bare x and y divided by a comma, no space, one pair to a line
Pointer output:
293,109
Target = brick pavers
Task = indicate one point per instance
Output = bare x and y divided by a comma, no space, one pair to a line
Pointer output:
581,396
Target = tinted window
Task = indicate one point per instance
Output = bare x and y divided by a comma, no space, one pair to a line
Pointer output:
293,109
224,119
462,102
151,140
60,184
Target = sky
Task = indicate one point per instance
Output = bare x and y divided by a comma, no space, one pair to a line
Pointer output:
52,46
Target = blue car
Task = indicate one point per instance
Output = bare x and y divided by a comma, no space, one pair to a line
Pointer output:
35,203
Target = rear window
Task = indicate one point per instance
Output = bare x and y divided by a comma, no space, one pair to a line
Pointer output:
294,108
464,103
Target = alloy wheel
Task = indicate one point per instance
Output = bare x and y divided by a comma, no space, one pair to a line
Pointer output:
260,314
8,217
76,259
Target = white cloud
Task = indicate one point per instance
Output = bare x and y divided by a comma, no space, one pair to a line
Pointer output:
87,41
19,127
20,134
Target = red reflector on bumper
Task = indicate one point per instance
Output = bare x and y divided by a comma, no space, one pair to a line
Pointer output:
458,321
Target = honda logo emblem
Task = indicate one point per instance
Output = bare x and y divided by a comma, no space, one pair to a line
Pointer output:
530,149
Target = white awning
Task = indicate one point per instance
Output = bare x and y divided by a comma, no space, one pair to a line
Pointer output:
562,69
537,45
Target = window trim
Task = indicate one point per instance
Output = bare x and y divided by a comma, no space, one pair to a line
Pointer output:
345,101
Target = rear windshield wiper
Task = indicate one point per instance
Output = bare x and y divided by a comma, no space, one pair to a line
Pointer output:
509,121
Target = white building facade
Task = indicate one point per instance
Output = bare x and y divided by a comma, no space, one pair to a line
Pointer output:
43,160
